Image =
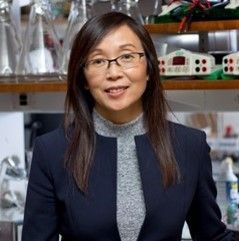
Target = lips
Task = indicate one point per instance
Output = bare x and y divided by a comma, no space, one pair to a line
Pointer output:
116,89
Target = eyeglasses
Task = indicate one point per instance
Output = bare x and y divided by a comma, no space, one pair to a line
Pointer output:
125,61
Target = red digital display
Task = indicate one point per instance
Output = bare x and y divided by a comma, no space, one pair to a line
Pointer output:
179,60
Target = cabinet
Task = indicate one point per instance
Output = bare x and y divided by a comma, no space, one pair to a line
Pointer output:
183,95
199,26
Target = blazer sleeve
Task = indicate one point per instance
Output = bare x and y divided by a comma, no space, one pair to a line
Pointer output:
40,217
204,217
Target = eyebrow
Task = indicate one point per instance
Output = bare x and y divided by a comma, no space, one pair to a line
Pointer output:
127,45
96,51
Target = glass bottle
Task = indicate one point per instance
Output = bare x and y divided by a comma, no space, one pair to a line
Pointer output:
10,42
76,19
131,8
42,52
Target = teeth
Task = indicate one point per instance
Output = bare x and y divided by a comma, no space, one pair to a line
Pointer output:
115,90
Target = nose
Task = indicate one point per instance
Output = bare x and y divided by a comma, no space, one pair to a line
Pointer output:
113,71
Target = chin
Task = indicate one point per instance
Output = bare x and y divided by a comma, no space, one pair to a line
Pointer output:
117,109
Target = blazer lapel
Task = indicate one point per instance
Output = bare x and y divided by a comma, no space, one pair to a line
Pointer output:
161,204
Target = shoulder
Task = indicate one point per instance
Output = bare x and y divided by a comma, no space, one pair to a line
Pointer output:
180,131
52,145
190,147
49,151
53,138
187,139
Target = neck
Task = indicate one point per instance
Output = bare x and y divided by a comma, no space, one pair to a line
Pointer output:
105,127
120,117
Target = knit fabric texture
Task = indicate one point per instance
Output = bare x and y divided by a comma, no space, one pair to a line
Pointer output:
130,199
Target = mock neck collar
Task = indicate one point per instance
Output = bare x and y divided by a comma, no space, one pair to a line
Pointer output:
105,127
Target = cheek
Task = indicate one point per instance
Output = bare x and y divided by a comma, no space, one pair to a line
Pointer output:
142,81
92,82
95,91
94,87
142,87
139,77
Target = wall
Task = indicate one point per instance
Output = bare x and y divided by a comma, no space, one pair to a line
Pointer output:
12,135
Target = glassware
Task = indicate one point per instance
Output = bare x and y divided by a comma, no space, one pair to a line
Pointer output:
10,43
11,172
91,8
131,8
77,17
157,7
42,52
152,18
114,5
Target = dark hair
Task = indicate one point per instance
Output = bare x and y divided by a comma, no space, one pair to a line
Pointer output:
79,103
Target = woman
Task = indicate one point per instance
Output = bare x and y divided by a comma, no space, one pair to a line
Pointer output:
119,170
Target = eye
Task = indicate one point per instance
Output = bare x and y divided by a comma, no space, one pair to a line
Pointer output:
97,62
127,57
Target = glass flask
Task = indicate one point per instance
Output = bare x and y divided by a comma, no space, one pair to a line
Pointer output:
42,52
157,7
152,18
13,184
91,11
114,5
77,17
131,8
10,43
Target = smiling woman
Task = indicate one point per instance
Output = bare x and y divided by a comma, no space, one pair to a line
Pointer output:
117,87
118,169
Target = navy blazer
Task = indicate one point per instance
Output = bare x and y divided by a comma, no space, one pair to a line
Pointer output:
56,206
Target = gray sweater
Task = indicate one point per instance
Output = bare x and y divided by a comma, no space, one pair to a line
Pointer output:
130,199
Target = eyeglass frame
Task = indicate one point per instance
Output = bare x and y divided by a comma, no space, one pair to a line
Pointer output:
141,54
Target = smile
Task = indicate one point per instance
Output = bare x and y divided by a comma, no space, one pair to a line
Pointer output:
116,91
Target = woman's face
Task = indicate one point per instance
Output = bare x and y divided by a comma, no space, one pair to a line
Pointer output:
117,90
